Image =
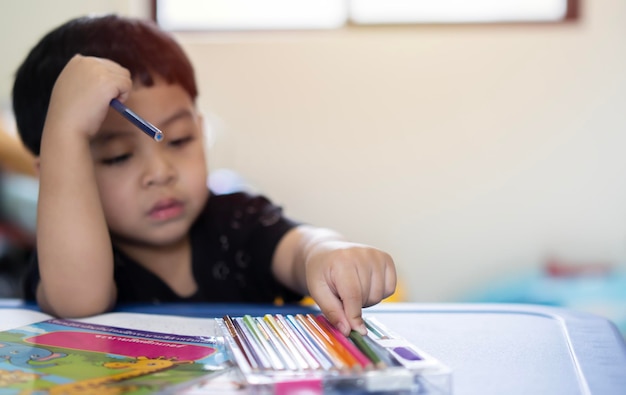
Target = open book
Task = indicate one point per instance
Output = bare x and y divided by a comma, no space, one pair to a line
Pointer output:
125,353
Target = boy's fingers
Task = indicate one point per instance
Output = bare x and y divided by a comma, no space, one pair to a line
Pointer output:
332,308
352,309
350,293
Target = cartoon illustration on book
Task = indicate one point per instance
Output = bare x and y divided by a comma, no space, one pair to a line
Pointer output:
20,355
10,377
63,357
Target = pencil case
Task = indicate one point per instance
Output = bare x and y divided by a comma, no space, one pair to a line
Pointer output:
305,354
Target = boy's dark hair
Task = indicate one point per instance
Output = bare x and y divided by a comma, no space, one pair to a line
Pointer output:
138,45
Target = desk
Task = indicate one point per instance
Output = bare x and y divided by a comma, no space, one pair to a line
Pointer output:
491,348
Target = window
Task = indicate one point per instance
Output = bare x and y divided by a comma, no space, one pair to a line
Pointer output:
458,11
233,15
250,14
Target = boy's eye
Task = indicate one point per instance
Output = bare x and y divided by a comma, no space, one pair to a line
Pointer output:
116,159
181,141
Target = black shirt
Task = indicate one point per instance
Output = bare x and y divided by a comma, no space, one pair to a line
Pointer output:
233,241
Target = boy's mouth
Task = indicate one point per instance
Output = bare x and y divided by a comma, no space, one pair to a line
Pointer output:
166,209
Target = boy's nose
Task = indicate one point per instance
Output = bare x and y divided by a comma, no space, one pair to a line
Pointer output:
159,169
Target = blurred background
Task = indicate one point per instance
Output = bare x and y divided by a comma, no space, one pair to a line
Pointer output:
487,158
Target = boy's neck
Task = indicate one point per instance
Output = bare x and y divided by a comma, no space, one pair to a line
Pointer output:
172,264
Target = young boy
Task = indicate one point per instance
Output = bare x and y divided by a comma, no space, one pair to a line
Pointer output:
123,218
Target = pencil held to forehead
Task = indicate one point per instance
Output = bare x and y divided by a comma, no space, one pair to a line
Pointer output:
141,123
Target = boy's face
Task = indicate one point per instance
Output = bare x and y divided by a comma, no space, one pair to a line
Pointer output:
152,191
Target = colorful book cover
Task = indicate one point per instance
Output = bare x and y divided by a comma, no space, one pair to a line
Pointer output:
67,357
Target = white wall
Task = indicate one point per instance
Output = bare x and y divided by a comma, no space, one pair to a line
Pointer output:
468,152
24,22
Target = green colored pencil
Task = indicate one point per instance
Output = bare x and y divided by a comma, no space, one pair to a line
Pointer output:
358,341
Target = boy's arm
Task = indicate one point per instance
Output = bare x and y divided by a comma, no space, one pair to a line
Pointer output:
342,277
73,242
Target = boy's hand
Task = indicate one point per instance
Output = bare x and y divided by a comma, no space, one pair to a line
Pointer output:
82,93
343,277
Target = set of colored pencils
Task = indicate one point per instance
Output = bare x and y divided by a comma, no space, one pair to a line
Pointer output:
301,342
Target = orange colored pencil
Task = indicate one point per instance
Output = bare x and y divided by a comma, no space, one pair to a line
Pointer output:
347,344
334,344
315,334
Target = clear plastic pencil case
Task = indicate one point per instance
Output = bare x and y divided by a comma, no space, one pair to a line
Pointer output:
305,354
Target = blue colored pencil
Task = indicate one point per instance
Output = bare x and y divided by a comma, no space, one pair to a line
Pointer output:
136,120
299,343
312,345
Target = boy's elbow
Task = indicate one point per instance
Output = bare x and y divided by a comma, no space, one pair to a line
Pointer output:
73,306
72,311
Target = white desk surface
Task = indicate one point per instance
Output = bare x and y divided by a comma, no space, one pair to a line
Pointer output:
491,348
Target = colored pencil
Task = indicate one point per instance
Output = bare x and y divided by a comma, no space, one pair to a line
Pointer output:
323,346
357,353
373,328
381,351
359,342
298,343
136,120
275,360
274,341
320,355
305,342
230,326
292,350
333,344
257,351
